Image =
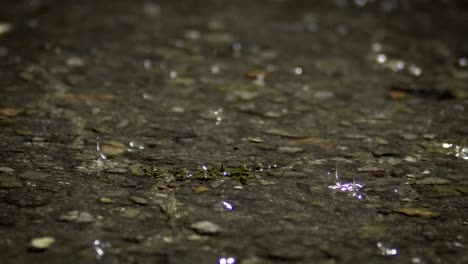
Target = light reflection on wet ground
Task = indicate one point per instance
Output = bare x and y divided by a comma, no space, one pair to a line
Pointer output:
187,132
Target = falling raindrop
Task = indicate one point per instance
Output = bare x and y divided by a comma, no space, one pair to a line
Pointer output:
381,58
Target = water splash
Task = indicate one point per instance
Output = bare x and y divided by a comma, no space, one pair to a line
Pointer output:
101,155
217,115
228,206
351,188
458,151
387,251
98,247
135,145
228,260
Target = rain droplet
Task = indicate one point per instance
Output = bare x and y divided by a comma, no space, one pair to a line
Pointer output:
387,251
228,206
101,155
297,70
229,260
136,145
173,74
98,247
5,28
352,188
381,58
192,34
215,69
377,47
462,62
414,70
147,64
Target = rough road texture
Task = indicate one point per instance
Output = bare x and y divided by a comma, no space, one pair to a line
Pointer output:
233,131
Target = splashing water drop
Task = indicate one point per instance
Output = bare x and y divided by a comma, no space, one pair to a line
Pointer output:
99,247
228,206
101,155
386,251
136,145
381,58
297,70
352,188
414,70
227,261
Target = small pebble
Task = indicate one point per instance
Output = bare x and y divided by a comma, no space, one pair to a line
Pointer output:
41,243
200,189
138,200
216,184
79,217
33,175
324,95
409,136
238,187
290,150
6,170
205,228
105,200
369,169
265,182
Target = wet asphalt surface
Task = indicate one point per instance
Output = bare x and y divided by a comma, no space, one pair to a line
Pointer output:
233,131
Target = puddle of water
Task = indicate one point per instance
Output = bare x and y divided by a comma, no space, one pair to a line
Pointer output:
227,260
387,251
351,188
